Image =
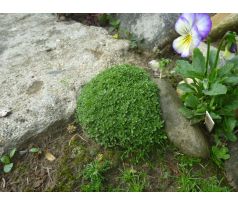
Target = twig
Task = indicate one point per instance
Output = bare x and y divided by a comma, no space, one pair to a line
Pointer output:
48,172
3,183
82,138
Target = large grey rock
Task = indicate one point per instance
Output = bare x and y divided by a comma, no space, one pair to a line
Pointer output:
157,30
189,139
43,64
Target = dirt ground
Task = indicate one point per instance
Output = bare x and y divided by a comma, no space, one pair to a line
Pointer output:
34,172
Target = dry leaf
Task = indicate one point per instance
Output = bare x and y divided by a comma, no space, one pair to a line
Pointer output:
49,156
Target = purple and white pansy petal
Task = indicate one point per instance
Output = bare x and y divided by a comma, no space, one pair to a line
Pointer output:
185,44
196,37
190,17
193,28
182,26
204,24
181,47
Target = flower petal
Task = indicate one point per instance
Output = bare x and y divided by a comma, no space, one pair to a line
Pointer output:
185,44
204,24
182,46
182,26
196,37
190,17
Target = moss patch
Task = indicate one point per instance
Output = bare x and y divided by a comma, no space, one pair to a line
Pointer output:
120,109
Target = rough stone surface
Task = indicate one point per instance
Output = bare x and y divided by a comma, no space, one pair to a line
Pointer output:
189,139
223,22
43,64
231,166
157,30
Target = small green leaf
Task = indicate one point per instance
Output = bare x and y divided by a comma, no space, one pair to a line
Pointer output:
225,69
186,112
35,150
185,69
5,159
221,153
229,124
197,119
7,168
198,63
185,87
233,80
231,137
216,89
215,116
12,153
182,68
191,101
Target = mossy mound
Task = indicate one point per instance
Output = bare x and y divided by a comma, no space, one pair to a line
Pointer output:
120,108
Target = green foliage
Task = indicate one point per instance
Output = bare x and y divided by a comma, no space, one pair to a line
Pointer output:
164,62
135,42
190,180
188,183
6,160
213,89
113,22
93,175
219,154
120,108
103,19
133,181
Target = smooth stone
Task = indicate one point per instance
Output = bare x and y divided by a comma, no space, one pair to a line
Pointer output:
223,22
188,138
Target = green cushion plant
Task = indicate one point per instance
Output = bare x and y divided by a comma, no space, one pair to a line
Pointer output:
120,108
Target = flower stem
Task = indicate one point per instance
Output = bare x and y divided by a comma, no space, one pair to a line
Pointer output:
208,54
218,51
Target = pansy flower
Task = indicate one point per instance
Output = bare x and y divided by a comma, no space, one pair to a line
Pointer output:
193,28
230,51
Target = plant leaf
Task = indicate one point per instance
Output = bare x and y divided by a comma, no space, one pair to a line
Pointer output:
233,80
186,112
229,124
198,63
225,69
12,153
35,150
221,153
231,137
185,87
185,69
5,159
191,101
7,168
216,89
215,116
182,68
212,57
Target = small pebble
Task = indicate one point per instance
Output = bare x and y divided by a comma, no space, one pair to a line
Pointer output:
4,112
